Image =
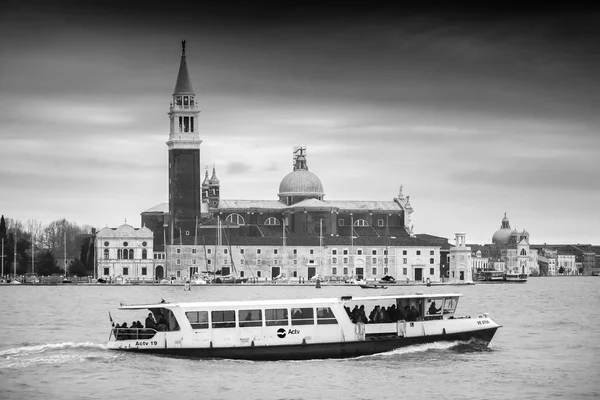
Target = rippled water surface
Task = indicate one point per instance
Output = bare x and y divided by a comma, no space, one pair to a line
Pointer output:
53,346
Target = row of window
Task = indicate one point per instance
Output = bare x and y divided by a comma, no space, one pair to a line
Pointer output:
125,254
334,252
334,260
239,220
185,101
254,317
125,244
125,271
186,124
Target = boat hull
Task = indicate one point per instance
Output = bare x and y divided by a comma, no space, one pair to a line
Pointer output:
311,351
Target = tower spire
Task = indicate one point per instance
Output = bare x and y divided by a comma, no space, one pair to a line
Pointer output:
183,84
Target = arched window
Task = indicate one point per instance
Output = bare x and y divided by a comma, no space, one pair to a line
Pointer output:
272,221
144,254
523,252
131,254
360,222
235,219
106,254
125,254
118,254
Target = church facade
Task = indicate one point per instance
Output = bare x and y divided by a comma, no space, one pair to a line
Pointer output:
297,234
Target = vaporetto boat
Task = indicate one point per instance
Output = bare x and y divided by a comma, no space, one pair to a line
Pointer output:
296,329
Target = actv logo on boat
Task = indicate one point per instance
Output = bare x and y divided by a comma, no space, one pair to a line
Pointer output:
282,333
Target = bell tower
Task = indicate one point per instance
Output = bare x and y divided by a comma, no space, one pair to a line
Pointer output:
184,142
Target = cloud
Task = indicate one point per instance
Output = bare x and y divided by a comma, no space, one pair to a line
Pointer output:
513,174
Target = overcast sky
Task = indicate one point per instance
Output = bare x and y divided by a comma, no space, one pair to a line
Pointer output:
475,113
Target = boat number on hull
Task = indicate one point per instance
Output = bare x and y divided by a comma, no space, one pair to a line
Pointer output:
282,333
152,343
483,322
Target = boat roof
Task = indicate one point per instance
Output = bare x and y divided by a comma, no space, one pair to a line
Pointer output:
325,300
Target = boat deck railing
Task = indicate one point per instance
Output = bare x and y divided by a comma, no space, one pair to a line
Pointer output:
133,333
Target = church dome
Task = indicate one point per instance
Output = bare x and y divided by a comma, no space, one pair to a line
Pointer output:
502,236
301,183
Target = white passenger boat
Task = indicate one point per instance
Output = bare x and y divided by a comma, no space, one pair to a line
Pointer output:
298,329
500,277
515,278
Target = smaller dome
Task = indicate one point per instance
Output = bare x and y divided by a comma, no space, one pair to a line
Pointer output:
213,179
206,180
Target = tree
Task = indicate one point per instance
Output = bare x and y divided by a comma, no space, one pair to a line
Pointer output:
77,268
2,228
46,263
561,270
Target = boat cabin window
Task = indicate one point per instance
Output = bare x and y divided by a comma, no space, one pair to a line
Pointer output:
303,316
325,316
412,309
433,308
165,320
450,305
223,319
250,318
276,316
198,319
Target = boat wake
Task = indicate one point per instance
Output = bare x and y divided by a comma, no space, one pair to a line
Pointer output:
470,346
52,354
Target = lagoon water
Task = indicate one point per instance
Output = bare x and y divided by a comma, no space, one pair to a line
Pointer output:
53,347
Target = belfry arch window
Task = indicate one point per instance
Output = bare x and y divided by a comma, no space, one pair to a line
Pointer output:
360,222
272,221
235,219
523,252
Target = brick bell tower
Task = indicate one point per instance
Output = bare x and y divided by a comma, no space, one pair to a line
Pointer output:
185,185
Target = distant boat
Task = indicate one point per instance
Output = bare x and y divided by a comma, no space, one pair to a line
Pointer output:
500,277
371,286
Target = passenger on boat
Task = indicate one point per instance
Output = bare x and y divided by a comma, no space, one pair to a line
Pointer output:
433,310
414,313
383,315
362,315
162,324
123,332
399,315
391,311
351,313
150,323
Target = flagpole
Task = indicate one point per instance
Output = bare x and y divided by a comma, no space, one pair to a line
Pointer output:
352,244
321,242
33,256
15,259
195,244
